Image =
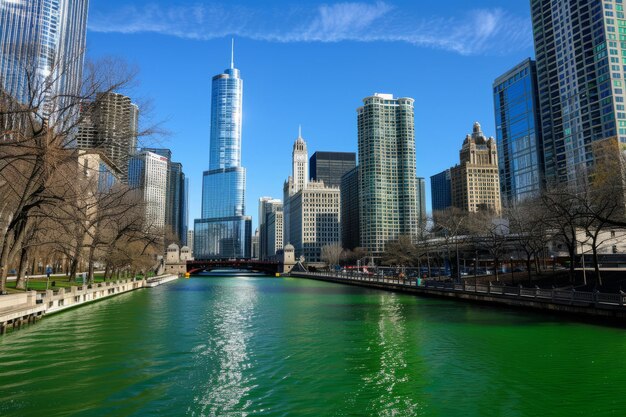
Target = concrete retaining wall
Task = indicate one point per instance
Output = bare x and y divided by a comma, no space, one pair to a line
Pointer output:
585,310
18,309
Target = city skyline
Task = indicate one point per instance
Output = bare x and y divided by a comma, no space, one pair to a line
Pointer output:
325,106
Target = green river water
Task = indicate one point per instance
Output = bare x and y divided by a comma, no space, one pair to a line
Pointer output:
256,346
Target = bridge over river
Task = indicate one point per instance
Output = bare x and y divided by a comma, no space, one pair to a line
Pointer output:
268,267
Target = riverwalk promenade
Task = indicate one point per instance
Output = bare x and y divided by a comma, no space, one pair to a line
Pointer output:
19,309
590,305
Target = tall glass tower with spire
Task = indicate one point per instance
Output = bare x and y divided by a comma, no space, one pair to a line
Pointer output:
224,231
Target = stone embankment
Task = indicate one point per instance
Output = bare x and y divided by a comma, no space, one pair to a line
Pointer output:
586,305
27,307
156,281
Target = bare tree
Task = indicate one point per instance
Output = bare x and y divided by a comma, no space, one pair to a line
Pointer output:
331,254
601,201
451,225
563,218
400,252
37,168
491,233
527,221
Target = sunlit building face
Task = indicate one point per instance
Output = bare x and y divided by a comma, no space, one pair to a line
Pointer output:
224,231
42,41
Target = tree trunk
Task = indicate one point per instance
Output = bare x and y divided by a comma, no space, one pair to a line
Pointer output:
528,264
73,269
596,263
76,258
4,263
19,280
496,264
572,259
538,265
92,251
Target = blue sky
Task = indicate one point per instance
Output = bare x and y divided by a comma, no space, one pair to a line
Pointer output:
312,63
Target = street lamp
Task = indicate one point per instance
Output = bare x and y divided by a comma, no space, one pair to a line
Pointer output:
553,264
512,272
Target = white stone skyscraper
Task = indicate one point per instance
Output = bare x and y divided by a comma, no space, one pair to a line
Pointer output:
299,178
311,212
148,173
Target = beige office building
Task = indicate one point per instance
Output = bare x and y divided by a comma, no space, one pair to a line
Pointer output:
475,181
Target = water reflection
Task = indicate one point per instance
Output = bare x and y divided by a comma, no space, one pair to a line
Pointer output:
391,380
228,327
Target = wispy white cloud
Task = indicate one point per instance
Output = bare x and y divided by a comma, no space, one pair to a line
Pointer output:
477,32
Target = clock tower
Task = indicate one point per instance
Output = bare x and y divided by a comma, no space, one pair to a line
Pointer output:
300,157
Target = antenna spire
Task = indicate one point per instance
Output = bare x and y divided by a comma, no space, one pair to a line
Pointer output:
232,53
300,131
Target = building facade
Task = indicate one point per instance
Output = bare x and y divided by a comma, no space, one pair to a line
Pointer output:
274,228
148,173
441,191
421,201
267,206
98,169
387,178
189,241
41,42
177,196
110,124
329,167
224,231
311,213
254,253
314,219
475,181
349,192
297,181
580,75
518,133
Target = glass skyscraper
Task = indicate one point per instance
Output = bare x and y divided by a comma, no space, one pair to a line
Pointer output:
580,48
224,231
350,216
518,134
42,41
330,166
441,190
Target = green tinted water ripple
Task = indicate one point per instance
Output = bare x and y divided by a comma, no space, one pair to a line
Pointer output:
249,346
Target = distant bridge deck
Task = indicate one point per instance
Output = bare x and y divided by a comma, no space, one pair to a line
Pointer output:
268,267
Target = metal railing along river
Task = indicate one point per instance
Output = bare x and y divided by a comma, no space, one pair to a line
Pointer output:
555,295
